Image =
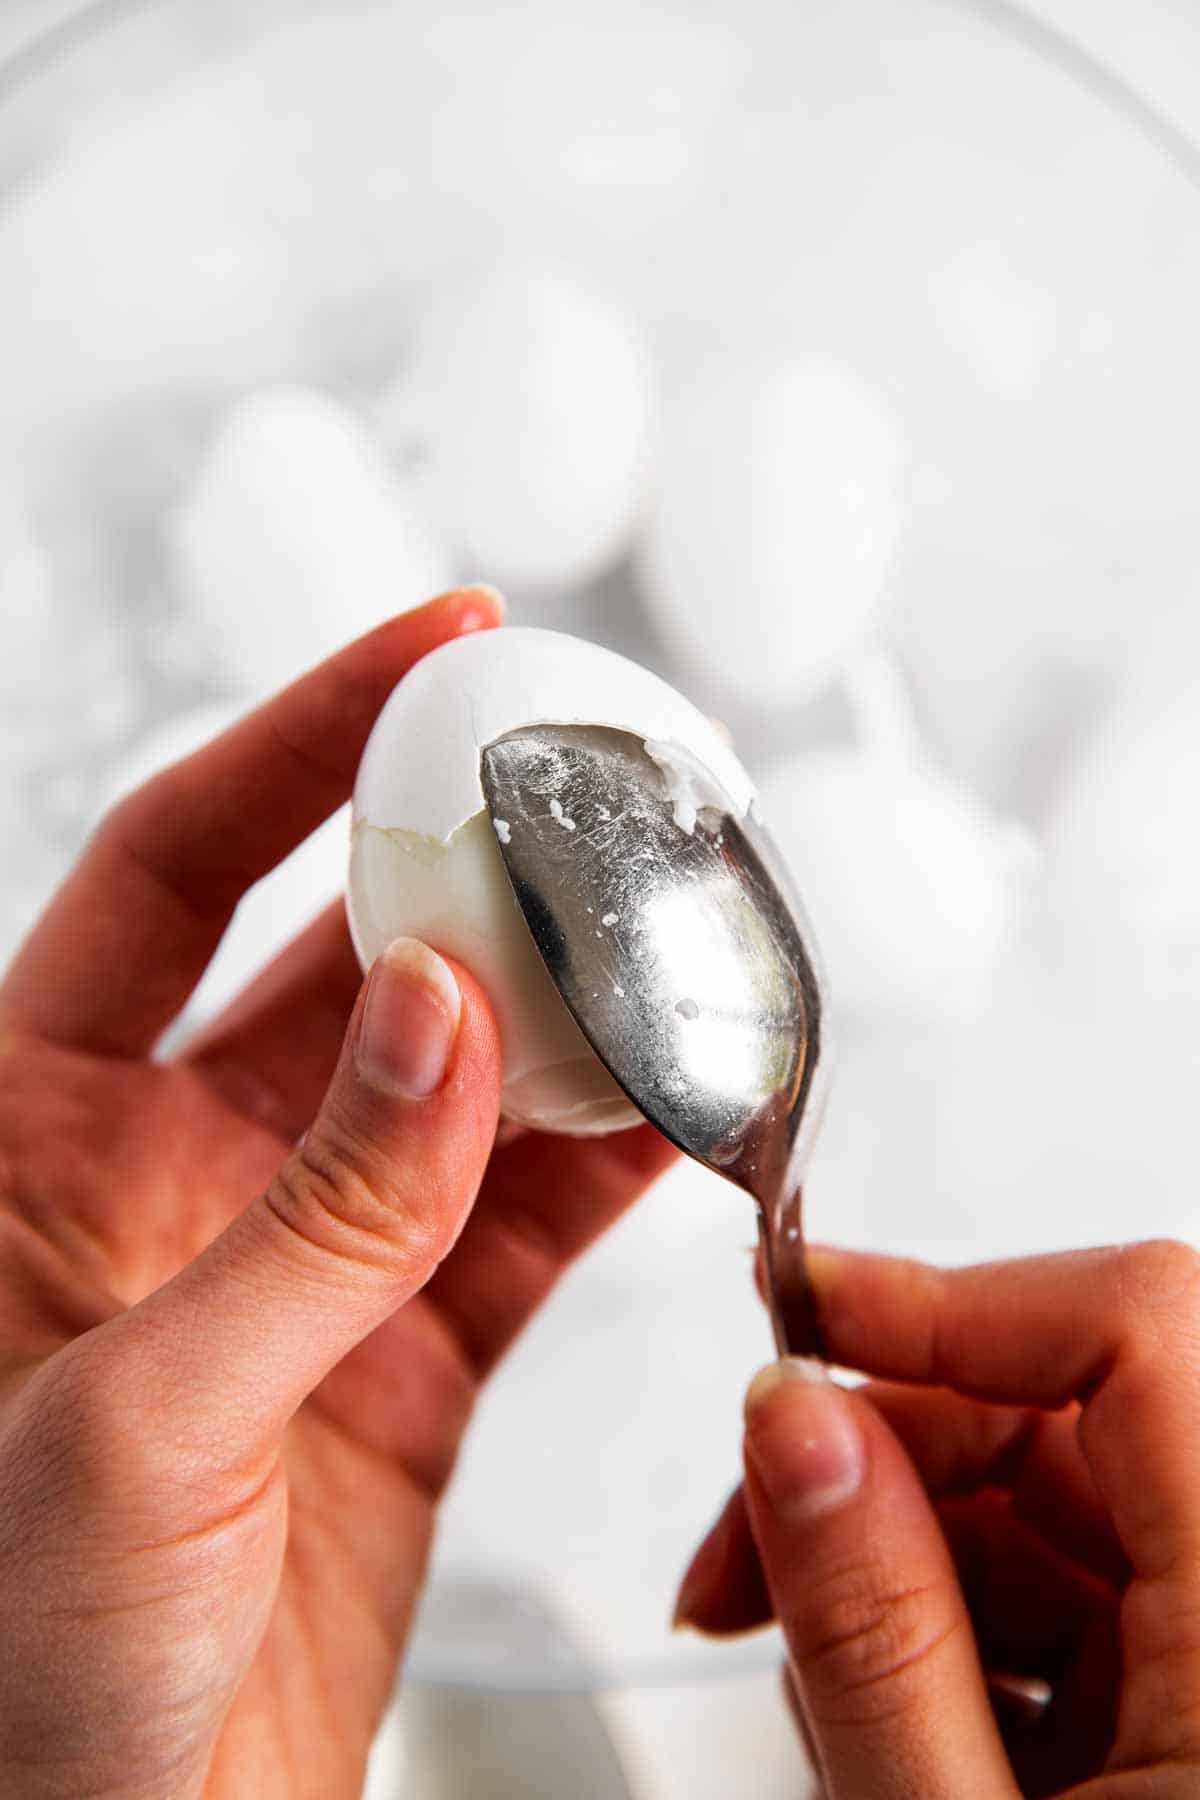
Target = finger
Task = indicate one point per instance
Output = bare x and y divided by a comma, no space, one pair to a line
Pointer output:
724,1590
354,1224
272,1052
136,922
1037,1612
1032,1605
864,1585
545,1199
1117,1329
956,1445
959,1444
407,1391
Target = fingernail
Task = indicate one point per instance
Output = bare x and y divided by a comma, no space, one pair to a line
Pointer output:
802,1438
409,1021
474,621
493,593
696,1586
688,1601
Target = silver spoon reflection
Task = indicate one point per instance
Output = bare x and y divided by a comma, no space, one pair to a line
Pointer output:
670,930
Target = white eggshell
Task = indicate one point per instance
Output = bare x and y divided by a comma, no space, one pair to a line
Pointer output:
294,538
778,518
911,886
425,860
531,401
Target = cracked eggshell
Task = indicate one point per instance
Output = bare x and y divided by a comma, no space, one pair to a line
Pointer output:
425,860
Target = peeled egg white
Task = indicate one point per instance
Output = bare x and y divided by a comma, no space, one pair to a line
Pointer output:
425,860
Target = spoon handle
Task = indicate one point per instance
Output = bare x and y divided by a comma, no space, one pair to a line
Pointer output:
1019,1700
790,1299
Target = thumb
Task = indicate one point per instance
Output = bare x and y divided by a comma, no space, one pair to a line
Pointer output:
879,1637
352,1226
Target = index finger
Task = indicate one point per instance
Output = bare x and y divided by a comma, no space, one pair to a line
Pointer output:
134,925
1117,1329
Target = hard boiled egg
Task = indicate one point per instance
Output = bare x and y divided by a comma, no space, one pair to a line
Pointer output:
528,404
913,887
777,525
1124,861
293,537
425,858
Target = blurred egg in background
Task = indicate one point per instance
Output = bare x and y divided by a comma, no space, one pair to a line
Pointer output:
840,365
527,408
292,499
777,521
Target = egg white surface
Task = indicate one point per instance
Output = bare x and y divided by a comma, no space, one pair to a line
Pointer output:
425,860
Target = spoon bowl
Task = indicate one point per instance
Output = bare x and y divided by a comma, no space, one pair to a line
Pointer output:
668,924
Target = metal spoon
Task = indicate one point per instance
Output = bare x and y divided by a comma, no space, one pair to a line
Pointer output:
682,956
676,939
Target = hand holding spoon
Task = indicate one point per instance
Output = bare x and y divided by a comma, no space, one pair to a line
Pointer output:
672,932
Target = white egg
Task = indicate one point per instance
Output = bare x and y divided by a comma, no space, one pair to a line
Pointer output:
425,859
911,886
1123,848
294,538
531,401
771,548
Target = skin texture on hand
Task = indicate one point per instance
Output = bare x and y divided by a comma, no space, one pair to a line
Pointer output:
1017,1489
235,1366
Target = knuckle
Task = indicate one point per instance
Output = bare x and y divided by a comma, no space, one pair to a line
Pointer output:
323,1197
869,1642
